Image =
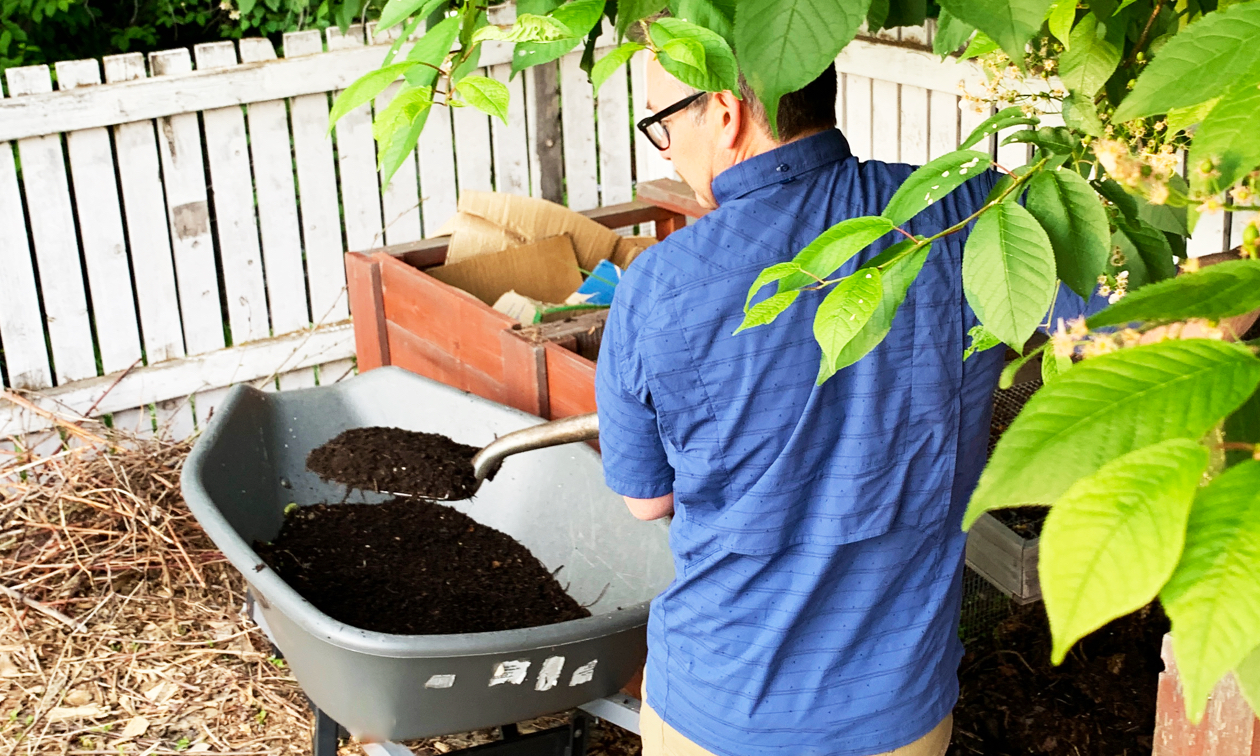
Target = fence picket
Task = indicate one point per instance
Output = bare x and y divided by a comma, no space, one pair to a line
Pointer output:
649,165
885,121
317,187
511,140
1238,223
437,171
1209,235
21,327
915,123
272,158
472,148
205,403
297,379
968,119
175,419
858,115
92,173
942,123
577,118
356,160
227,154
183,176
336,371
53,232
615,170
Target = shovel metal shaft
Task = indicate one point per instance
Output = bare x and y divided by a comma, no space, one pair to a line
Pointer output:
554,433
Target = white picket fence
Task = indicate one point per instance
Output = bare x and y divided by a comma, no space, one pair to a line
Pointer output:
178,227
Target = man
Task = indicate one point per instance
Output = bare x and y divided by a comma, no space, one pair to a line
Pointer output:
815,528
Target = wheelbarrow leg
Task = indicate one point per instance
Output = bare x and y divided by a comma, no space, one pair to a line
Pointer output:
324,738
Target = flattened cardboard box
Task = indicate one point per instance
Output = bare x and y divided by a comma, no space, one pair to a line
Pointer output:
509,220
545,270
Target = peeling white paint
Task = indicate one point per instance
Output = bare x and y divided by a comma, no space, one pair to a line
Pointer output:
549,673
440,681
583,674
509,672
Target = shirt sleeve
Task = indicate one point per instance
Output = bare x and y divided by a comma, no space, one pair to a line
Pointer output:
635,463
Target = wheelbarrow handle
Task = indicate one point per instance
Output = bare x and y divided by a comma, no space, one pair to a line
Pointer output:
565,431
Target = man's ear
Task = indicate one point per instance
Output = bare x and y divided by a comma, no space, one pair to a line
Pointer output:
731,117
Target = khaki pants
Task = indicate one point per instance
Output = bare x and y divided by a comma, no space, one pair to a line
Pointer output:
659,739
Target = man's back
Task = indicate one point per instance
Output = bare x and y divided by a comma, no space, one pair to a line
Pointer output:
816,527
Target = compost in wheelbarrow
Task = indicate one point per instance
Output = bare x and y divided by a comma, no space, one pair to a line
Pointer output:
250,465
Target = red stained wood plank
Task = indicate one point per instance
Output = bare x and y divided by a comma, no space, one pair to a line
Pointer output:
367,308
1228,727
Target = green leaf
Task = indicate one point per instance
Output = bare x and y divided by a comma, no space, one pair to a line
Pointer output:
770,275
1248,674
1243,426
365,89
402,110
1003,119
951,33
1007,378
981,44
1060,21
405,35
1053,365
785,44
630,11
1202,61
1213,598
245,6
1008,272
1152,248
1108,406
432,49
1113,539
1180,119
1093,56
845,312
718,70
906,13
1213,292
485,94
1079,113
1126,203
1056,140
1167,217
876,15
715,15
537,7
608,65
1011,23
766,311
470,64
397,11
685,50
833,248
1227,138
580,16
1068,209
528,28
898,273
392,153
982,340
933,181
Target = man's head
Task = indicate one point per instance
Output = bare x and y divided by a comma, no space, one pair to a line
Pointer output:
717,130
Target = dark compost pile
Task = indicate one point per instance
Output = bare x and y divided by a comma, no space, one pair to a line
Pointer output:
398,461
415,567
1099,702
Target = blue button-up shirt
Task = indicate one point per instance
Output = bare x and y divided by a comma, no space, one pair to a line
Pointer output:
816,528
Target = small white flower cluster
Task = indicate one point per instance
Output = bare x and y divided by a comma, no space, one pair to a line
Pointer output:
1115,288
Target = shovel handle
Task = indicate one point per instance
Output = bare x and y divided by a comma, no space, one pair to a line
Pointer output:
565,431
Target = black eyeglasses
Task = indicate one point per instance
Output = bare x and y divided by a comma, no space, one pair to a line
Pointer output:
653,127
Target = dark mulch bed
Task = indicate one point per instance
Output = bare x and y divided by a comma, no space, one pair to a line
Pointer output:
414,567
1099,702
399,461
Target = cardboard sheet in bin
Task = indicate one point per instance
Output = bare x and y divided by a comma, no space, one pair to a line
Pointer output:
545,270
511,220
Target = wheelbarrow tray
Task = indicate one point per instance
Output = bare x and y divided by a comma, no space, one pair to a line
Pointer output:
251,464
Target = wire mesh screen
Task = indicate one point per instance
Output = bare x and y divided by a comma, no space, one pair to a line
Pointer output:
984,606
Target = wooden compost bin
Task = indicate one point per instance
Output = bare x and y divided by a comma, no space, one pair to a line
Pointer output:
405,317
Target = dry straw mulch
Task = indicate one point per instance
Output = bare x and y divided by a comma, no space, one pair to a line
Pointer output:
122,631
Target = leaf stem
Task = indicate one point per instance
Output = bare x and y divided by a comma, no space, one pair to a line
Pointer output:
904,233
1146,33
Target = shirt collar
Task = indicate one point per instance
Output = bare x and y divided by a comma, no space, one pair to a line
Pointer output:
780,165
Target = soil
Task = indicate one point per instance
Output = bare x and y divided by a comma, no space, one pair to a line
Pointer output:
398,461
415,567
1099,702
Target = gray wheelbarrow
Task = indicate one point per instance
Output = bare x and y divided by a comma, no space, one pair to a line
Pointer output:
251,464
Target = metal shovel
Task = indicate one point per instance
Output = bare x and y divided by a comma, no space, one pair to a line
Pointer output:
565,431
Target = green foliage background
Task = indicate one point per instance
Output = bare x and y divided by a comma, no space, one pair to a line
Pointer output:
46,31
